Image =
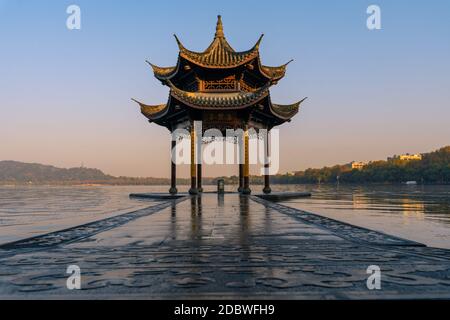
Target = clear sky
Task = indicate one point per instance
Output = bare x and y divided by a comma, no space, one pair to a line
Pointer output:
65,95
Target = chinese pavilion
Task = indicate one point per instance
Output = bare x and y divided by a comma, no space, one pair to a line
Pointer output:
224,89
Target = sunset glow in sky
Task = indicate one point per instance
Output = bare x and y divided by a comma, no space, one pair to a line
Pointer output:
65,96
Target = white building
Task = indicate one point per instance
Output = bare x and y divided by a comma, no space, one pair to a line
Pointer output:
358,165
408,157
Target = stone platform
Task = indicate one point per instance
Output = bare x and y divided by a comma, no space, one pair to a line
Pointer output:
283,196
158,196
222,246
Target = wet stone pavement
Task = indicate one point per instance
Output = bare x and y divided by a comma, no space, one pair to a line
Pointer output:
226,246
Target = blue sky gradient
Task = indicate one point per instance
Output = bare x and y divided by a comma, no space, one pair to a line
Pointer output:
65,95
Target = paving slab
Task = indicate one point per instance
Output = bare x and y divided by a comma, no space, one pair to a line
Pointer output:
222,246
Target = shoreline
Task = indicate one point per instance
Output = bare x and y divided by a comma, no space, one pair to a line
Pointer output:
98,184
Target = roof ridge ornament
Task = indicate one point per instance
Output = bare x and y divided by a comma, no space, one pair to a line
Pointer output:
289,62
216,64
151,64
219,28
259,41
180,45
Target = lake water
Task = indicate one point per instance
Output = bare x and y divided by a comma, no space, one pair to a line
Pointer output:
419,213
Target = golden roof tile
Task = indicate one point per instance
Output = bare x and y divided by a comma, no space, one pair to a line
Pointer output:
229,100
286,111
219,54
152,112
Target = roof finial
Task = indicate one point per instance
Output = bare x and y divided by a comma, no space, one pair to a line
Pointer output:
180,45
219,27
259,41
289,62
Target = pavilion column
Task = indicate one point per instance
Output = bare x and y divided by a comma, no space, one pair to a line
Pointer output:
241,162
267,188
198,141
193,189
173,176
246,189
199,166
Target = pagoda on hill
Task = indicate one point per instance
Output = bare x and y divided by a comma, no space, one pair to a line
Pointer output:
224,89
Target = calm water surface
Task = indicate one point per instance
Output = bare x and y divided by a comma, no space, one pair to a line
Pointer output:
30,211
420,213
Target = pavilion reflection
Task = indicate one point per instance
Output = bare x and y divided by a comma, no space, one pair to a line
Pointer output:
244,227
221,200
173,221
267,221
196,217
236,225
226,222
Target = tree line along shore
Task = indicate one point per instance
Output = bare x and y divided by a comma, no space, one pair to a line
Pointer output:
432,168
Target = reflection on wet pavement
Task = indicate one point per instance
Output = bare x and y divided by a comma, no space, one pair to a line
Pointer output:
226,246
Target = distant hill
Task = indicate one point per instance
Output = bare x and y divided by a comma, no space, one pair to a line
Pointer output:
19,172
433,168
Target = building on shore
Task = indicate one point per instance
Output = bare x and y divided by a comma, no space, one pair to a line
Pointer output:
409,157
406,157
358,165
